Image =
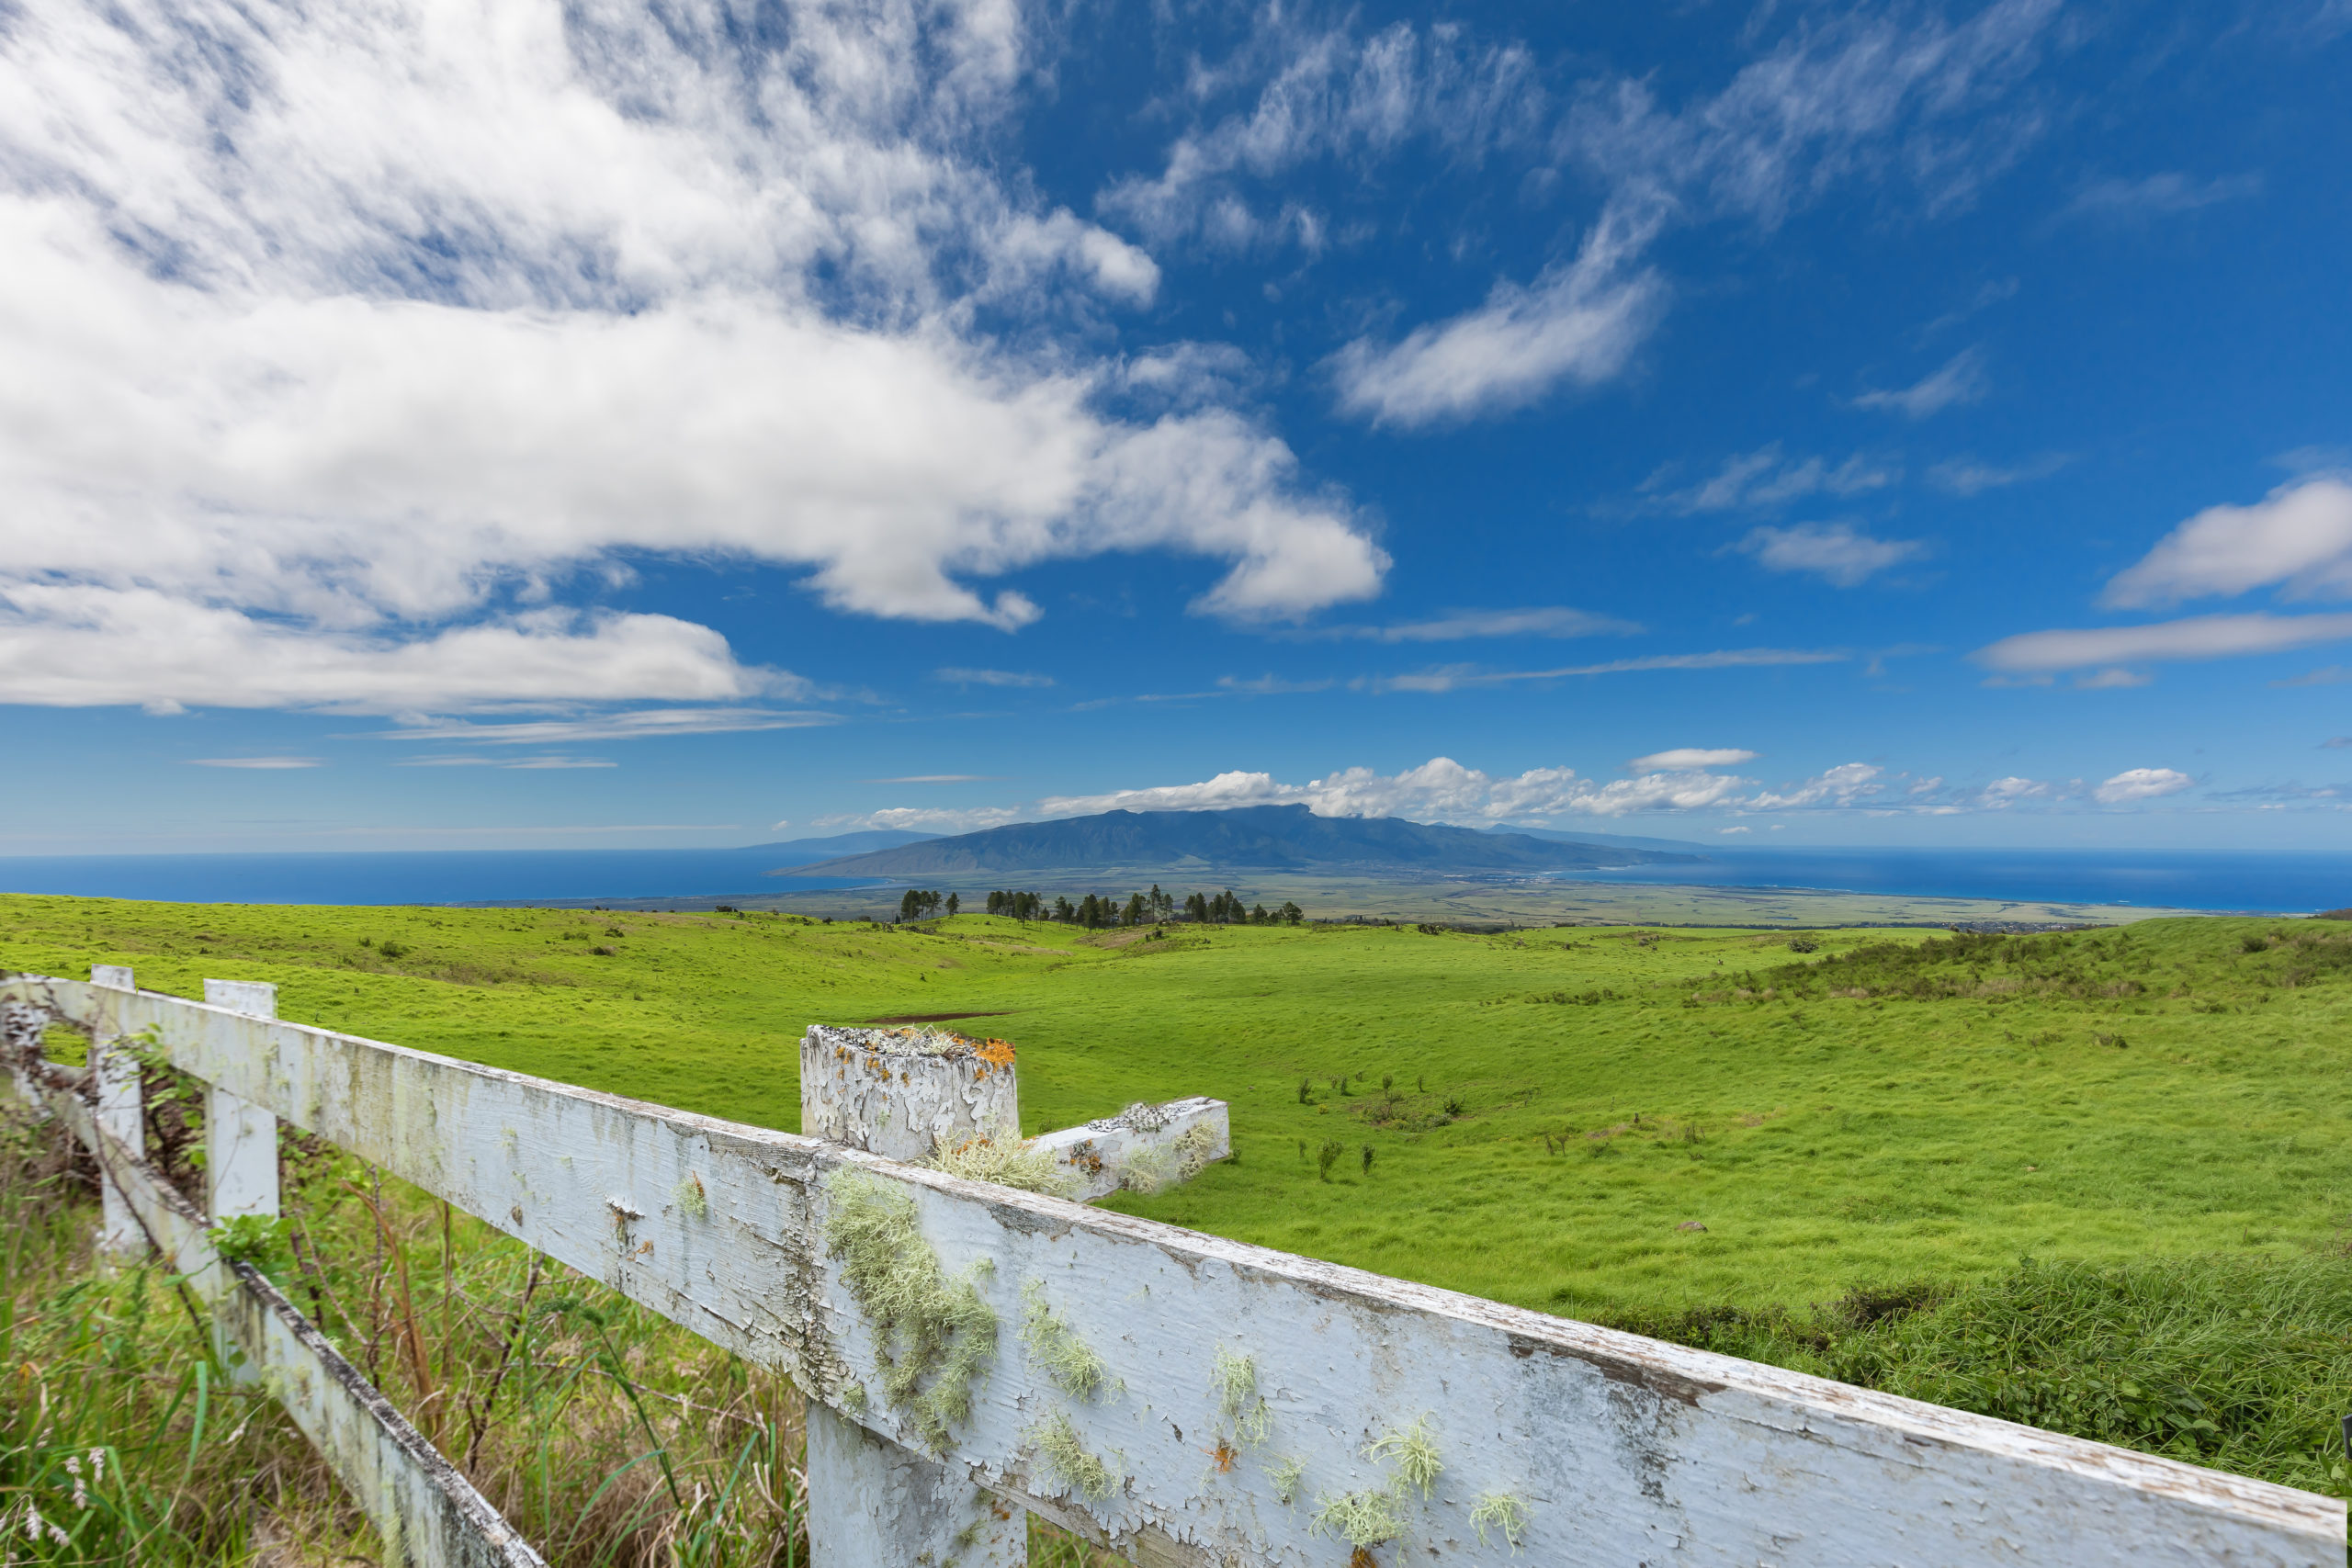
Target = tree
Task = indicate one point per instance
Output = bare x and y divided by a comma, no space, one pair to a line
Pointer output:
1291,913
910,905
1063,910
1196,909
951,902
1162,904
1258,917
1135,911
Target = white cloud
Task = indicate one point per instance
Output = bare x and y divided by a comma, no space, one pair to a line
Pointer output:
522,764
64,645
369,324
638,725
1441,790
1683,756
1459,677
1730,830
1579,322
1966,476
266,764
2299,536
2001,793
2198,636
2112,680
2141,783
962,677
1764,478
2159,195
1835,552
1459,626
1961,380
1843,785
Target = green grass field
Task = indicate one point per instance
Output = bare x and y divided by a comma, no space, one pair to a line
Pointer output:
2155,1089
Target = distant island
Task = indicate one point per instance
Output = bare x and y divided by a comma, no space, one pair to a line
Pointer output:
1245,839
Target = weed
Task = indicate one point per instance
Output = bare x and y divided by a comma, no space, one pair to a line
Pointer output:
1326,1157
1306,1091
1053,1345
1367,1159
927,1328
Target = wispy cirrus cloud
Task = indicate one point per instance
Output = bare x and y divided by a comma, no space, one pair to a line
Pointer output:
1681,759
958,676
261,765
1966,476
1460,677
1837,553
1764,478
638,724
2160,195
2198,636
1464,626
1960,379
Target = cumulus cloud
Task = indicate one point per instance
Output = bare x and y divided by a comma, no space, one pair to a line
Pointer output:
2300,536
2141,783
2198,636
1764,477
1836,552
1579,321
1686,757
369,327
1441,790
1961,380
2001,793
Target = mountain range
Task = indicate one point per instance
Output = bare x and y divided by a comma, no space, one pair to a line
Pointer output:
1255,838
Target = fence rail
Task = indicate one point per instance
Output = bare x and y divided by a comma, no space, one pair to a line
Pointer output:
1249,1407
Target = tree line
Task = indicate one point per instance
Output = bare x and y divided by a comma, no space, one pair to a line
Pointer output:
1094,911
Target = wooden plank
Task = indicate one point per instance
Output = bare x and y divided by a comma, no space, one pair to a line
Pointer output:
428,1515
1620,1450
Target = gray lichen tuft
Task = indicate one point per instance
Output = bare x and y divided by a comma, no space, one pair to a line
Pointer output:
1286,1478
1146,1170
1362,1519
934,1337
1414,1452
1054,1345
1239,1403
1056,1443
693,1201
1195,1147
1502,1511
1009,1161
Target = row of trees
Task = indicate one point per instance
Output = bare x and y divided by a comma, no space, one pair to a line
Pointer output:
1224,909
921,905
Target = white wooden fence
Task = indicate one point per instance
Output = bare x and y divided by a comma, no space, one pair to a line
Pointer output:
1185,1399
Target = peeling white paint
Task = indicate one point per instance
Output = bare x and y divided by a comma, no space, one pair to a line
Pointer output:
1624,1450
1127,1150
871,1089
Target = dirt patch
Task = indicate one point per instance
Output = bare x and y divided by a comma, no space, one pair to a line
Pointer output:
930,1017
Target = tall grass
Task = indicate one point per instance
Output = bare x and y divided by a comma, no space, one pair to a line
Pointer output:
2239,1363
610,1438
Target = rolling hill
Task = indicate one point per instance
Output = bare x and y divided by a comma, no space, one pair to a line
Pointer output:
1256,838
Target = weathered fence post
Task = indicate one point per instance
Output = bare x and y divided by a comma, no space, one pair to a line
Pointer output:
121,1111
873,1504
240,1138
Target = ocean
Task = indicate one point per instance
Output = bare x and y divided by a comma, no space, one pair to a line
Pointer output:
2186,879
2267,882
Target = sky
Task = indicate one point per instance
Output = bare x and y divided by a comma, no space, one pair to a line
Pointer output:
515,425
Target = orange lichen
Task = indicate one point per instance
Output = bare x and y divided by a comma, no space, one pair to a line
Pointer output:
996,1053
1224,1453
1362,1557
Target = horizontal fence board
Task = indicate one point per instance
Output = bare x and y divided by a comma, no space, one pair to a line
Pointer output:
428,1515
1622,1449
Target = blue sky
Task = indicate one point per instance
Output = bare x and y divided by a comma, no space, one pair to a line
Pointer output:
703,423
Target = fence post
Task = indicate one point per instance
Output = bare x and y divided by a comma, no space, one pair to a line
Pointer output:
240,1138
122,1112
873,1504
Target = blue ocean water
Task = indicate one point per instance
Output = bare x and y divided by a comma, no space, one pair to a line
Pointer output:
416,876
2269,882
